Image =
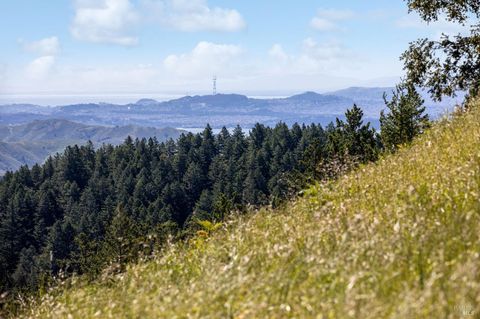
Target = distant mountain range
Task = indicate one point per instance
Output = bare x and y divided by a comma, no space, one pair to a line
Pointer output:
33,142
218,110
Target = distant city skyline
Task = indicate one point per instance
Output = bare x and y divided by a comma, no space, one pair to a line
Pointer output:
175,47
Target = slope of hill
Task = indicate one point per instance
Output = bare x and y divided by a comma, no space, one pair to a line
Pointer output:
15,154
55,129
32,142
395,239
363,94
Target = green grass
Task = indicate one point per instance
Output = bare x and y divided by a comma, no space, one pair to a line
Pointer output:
395,239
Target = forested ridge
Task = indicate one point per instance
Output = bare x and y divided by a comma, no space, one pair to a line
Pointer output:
89,209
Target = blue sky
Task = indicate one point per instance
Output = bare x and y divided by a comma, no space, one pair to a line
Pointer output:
176,46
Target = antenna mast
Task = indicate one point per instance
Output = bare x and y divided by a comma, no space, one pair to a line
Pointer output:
214,85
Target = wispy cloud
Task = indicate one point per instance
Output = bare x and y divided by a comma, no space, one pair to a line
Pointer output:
40,68
46,46
329,19
313,58
205,59
278,53
46,50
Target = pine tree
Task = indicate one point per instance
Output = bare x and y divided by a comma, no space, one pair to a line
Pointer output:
120,246
222,206
74,166
194,182
204,206
48,209
207,150
10,243
352,138
405,119
255,186
26,272
61,246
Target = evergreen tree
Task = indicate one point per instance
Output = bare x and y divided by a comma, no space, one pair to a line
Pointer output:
353,138
26,273
61,246
204,206
120,246
207,150
406,117
10,244
48,211
255,189
74,168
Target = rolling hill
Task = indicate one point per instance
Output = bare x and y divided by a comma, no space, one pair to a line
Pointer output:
399,238
217,110
33,142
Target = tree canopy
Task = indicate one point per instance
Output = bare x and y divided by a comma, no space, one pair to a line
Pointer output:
452,63
405,117
91,209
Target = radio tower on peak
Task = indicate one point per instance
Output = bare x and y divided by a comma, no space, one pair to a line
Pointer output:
214,85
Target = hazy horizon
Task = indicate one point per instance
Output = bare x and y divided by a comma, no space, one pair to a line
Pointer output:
49,99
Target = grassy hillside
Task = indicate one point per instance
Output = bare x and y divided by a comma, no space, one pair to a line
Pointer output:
396,239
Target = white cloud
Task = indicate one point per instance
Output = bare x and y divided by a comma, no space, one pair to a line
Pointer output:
109,21
324,52
46,49
47,46
176,72
194,15
46,75
323,24
314,58
319,65
111,78
40,68
205,58
277,52
328,19
104,21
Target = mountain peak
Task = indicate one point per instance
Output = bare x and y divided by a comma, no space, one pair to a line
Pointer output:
146,102
309,95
